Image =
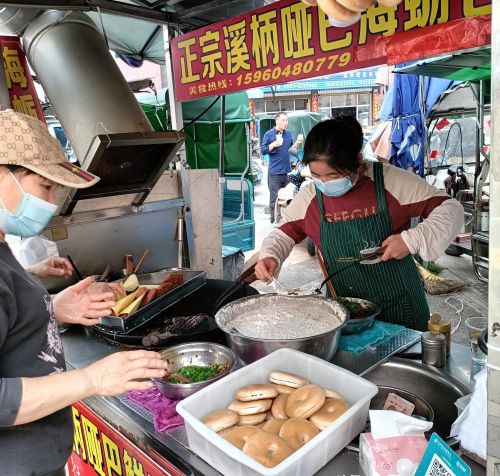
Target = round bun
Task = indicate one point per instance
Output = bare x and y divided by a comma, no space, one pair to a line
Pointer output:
256,392
313,3
238,435
305,401
390,3
261,425
329,412
251,419
274,426
283,388
297,432
356,5
220,419
266,448
284,378
333,9
278,408
329,393
250,408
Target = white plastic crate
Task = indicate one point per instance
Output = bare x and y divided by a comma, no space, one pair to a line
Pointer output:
230,461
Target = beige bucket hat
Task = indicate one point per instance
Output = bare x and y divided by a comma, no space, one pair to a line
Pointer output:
26,141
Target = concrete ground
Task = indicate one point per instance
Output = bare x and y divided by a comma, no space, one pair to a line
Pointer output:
300,269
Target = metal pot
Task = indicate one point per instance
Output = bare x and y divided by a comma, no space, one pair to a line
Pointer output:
250,349
423,409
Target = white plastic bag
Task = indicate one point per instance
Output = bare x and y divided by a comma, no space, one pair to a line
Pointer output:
36,249
470,426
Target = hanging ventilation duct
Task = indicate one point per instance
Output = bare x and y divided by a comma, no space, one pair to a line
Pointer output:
105,124
13,21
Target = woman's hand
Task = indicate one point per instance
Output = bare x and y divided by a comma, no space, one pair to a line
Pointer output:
120,372
75,305
265,268
55,266
395,248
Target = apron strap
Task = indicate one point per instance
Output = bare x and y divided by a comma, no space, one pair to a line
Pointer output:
319,196
378,174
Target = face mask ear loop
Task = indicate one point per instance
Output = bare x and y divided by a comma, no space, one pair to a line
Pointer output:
20,188
17,183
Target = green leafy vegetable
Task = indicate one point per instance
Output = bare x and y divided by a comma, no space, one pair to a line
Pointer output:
196,373
355,309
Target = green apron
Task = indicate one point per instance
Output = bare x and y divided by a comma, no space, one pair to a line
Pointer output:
395,284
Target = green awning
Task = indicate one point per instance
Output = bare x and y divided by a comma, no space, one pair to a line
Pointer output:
237,109
468,66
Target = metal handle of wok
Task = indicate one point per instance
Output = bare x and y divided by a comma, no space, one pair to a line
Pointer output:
335,273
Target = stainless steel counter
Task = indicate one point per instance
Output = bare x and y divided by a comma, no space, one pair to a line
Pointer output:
82,349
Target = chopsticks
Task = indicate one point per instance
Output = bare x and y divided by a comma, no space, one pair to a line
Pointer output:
78,274
143,257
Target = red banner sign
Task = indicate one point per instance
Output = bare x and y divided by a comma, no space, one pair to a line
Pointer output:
22,93
99,449
289,40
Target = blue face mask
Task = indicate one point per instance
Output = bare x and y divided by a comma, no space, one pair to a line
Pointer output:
30,218
334,188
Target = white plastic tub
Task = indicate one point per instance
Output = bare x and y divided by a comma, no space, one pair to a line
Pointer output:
230,461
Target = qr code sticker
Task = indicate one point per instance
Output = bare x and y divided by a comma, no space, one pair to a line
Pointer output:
438,468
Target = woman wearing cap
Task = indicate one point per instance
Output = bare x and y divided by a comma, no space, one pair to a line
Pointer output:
351,205
36,391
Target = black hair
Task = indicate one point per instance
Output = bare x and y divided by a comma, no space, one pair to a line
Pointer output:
279,114
336,141
19,169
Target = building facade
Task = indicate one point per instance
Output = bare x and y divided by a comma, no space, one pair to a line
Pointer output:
355,93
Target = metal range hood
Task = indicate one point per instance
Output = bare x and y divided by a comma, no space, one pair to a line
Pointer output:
127,163
108,130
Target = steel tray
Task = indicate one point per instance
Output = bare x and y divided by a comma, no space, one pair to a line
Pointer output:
193,280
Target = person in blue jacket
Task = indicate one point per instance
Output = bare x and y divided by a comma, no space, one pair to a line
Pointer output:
276,144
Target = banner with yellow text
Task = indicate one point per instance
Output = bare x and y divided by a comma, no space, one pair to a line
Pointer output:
289,40
22,93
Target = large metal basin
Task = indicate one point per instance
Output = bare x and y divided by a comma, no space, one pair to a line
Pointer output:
438,389
249,349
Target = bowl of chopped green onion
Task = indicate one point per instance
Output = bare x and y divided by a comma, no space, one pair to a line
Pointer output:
193,366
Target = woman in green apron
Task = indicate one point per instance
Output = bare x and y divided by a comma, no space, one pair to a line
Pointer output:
351,205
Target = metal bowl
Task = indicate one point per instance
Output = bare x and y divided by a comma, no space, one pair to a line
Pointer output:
422,410
196,353
249,349
355,325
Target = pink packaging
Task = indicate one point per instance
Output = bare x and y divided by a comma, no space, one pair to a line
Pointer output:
395,456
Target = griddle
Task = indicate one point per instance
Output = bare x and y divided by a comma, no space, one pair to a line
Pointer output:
200,301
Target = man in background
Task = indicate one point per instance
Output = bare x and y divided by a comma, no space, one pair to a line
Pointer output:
276,144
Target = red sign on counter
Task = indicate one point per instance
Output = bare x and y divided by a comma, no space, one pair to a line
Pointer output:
289,40
99,449
22,93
